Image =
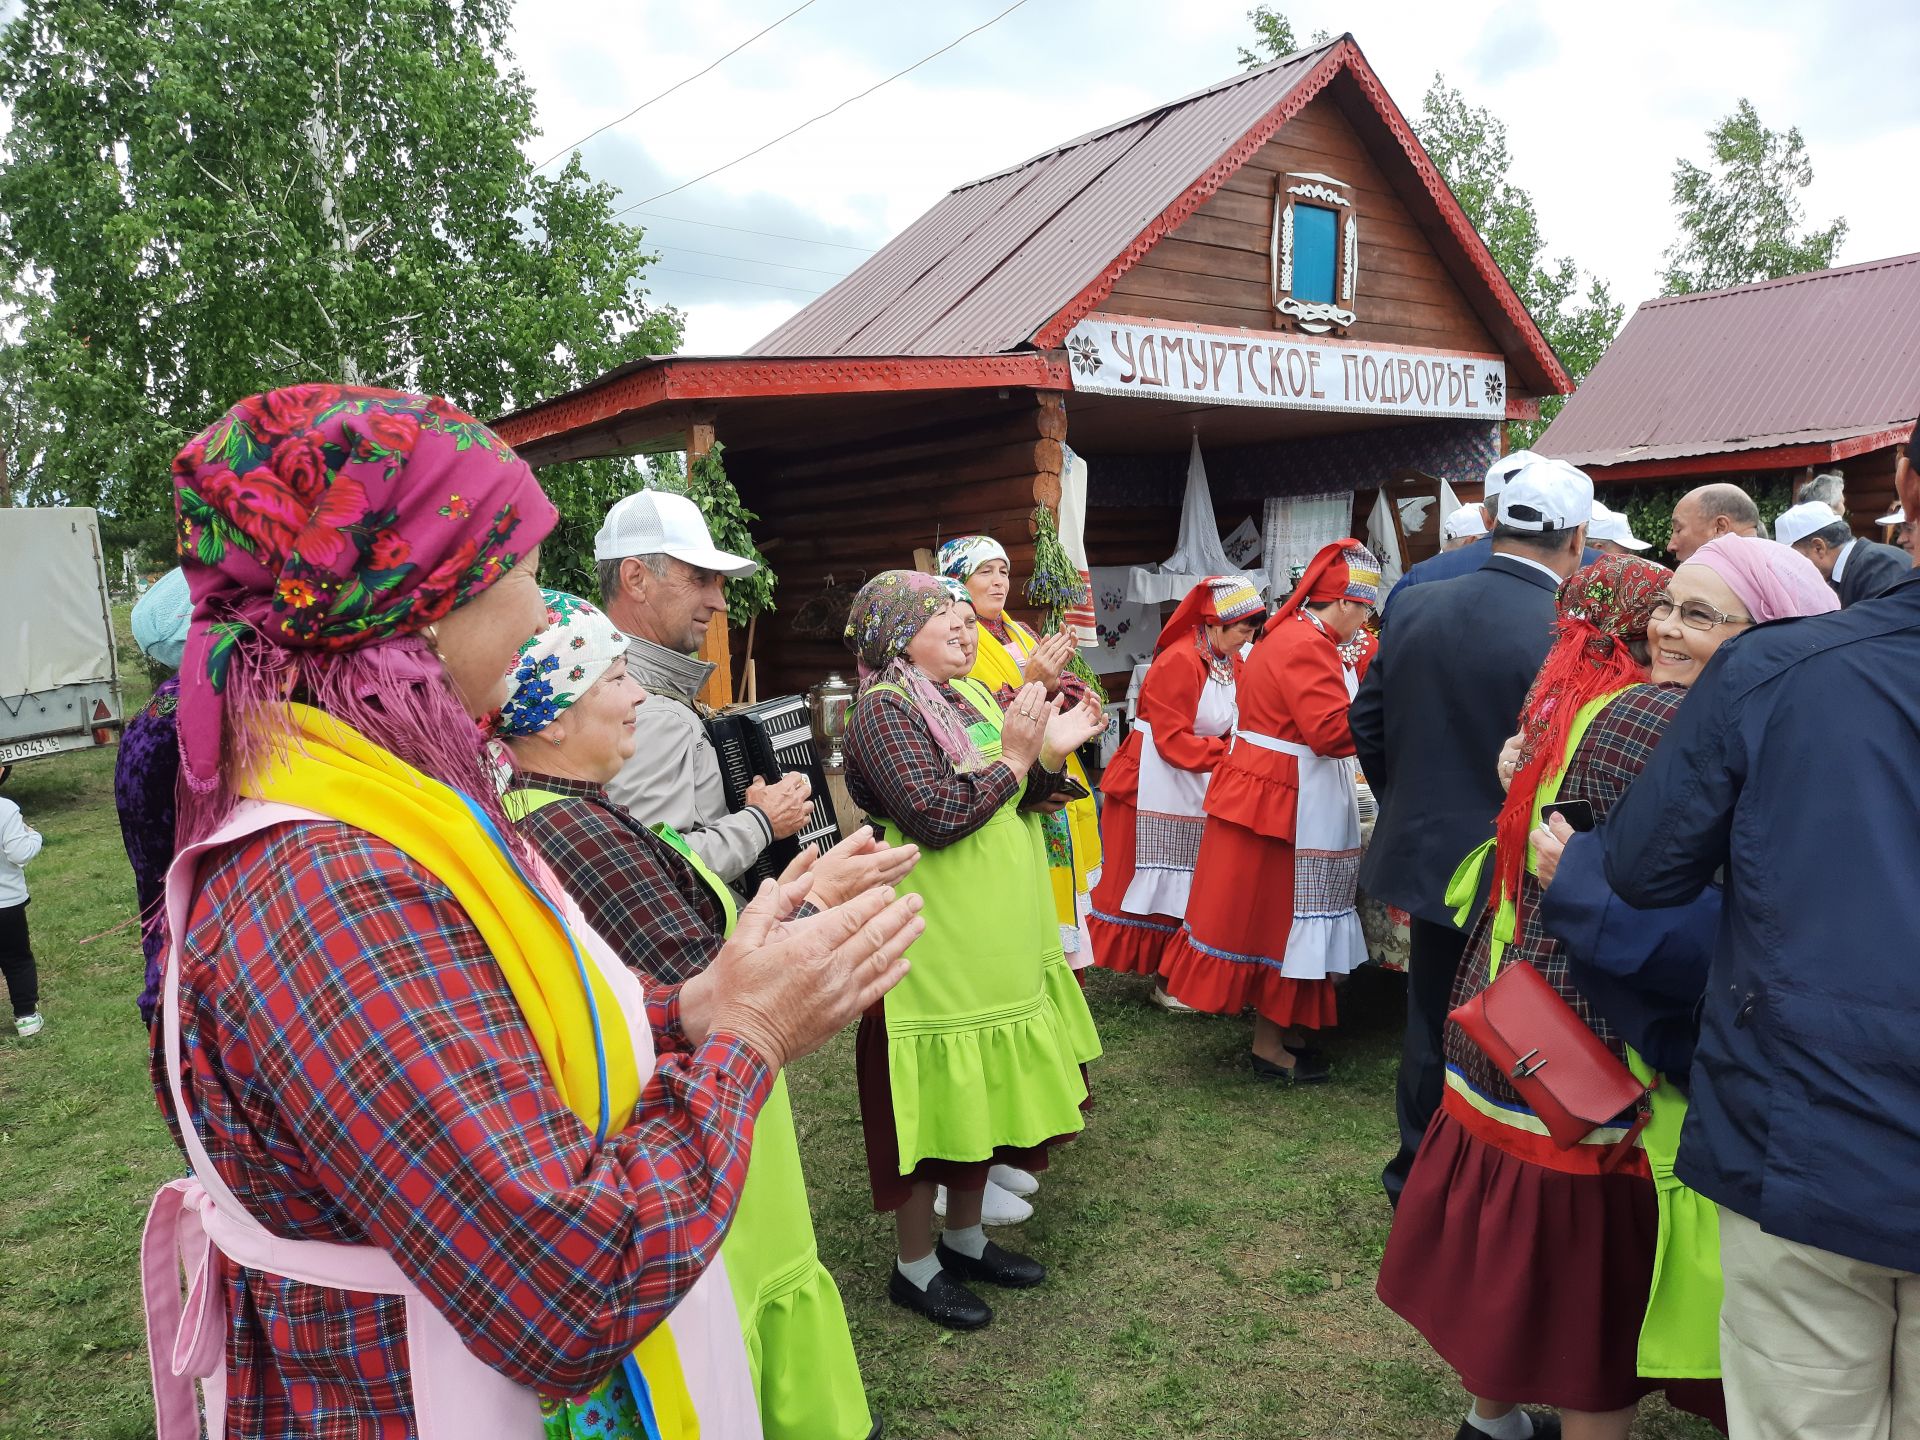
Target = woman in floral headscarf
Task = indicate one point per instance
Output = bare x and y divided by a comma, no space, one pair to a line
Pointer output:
1271,920
1011,655
1527,1266
1156,787
975,1059
452,1178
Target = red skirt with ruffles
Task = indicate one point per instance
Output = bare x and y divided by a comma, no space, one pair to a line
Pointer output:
1530,1282
1128,943
1227,958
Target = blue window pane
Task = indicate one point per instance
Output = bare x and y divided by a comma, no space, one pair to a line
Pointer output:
1316,232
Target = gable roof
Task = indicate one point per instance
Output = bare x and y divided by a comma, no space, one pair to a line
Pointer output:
1016,259
1827,359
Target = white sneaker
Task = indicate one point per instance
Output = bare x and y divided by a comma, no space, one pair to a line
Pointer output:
29,1024
997,1206
1168,1003
1013,1180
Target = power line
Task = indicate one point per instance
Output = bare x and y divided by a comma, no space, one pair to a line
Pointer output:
732,279
569,149
741,229
705,174
750,260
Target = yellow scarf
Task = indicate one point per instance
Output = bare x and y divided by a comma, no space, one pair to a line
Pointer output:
335,771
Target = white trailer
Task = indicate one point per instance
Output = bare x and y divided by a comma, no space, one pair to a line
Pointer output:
59,673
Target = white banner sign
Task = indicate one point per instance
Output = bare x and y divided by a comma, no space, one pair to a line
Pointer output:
1238,367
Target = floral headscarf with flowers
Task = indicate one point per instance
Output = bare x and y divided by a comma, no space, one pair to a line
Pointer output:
889,611
558,665
961,556
330,518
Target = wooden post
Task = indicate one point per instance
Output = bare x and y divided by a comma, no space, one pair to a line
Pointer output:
718,691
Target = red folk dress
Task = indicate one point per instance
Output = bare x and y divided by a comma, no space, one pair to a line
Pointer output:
1271,920
1179,720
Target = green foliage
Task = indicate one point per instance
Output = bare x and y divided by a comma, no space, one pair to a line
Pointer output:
1468,144
1741,217
707,485
200,199
1056,587
1273,37
1649,508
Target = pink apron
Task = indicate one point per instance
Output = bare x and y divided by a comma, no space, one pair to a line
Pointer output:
199,1226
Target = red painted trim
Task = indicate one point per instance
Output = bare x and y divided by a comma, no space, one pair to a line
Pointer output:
1345,56
695,379
1733,462
1522,407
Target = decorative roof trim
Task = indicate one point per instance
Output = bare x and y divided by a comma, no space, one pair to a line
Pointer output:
1344,56
693,379
1733,462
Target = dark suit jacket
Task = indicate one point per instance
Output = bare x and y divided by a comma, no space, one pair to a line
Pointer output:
1871,569
1440,699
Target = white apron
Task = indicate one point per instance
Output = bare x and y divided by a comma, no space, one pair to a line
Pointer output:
199,1225
1172,813
1326,938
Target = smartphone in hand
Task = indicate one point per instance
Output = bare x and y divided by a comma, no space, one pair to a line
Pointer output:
1577,813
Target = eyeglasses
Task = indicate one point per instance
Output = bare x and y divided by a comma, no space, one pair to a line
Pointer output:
1696,614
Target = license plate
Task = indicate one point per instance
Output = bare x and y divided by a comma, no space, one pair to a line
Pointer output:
21,749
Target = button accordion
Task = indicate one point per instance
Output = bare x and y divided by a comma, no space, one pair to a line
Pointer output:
769,740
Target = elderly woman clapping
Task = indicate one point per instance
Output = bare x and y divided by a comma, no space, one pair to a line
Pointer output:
570,725
977,1060
453,1182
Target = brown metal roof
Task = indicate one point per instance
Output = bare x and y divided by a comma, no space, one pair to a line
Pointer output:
1811,359
990,264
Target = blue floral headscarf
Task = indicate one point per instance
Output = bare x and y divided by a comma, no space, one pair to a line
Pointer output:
558,665
963,555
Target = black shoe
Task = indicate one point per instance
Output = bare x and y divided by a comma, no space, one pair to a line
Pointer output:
946,1302
1312,1054
1545,1427
879,1426
1305,1070
995,1266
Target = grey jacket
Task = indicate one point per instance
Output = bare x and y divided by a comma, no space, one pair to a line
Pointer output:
674,775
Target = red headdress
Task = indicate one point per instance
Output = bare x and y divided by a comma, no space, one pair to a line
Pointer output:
1344,570
1216,600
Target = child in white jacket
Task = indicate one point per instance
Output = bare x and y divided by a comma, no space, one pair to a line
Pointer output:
19,843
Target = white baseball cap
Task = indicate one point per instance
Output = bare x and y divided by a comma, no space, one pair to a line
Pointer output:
1609,524
1809,517
1463,523
1504,469
1546,495
654,522
1895,516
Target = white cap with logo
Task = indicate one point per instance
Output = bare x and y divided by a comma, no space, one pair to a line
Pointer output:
1809,517
1610,524
655,522
1504,469
1463,524
1546,495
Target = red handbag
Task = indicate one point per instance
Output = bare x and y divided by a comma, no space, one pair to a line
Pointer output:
1561,1068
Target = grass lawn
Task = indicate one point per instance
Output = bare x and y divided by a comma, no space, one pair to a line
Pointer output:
1213,1242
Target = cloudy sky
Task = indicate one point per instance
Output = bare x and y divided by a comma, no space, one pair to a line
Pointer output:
1599,101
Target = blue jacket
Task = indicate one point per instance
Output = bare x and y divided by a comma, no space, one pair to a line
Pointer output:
1440,699
1450,565
1794,764
1644,970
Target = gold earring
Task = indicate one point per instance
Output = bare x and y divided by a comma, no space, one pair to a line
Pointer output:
431,634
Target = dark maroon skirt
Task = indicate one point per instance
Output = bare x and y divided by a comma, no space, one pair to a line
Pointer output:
1530,1282
890,1188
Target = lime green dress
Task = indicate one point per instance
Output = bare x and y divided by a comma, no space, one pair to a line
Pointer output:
987,1032
801,1354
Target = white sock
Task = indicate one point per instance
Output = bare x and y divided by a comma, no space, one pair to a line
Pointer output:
921,1271
1516,1424
970,1242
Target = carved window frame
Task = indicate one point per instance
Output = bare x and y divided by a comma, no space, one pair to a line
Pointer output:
1321,192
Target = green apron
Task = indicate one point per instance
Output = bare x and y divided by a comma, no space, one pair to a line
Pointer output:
798,1347
986,1034
1680,1334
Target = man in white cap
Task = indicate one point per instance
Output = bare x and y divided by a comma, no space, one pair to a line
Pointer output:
660,582
1428,722
1450,563
1610,534
1899,532
1856,569
1463,527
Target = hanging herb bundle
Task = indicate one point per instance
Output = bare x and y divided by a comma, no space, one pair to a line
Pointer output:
1056,587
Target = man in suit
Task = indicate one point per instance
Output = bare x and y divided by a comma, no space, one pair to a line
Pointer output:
1856,569
1440,699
